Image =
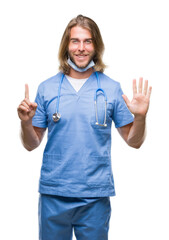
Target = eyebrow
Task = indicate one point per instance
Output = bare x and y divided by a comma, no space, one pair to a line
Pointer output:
84,39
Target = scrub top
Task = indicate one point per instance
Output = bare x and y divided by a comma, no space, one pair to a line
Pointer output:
77,156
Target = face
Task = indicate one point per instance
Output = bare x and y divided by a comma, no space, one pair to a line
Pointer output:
81,47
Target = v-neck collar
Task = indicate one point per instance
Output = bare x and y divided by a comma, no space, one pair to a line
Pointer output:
83,87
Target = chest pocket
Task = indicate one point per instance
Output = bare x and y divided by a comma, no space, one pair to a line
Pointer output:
101,114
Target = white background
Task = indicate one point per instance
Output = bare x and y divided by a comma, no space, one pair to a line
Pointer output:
136,38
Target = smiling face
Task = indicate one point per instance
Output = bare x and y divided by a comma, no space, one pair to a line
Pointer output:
81,47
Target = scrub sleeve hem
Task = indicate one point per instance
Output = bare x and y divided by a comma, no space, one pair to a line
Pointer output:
124,123
34,124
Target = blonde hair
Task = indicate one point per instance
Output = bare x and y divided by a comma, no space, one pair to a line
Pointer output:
89,24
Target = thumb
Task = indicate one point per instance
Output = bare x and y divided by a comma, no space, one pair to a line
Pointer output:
126,99
34,105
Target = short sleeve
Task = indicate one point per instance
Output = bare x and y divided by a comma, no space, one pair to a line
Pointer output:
40,117
121,114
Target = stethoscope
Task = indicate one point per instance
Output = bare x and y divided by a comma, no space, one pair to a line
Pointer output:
57,115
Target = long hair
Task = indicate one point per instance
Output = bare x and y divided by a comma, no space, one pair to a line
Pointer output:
89,24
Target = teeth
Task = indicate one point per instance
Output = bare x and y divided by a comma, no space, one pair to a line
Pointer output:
81,56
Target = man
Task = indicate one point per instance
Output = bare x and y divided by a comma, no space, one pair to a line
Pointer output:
78,106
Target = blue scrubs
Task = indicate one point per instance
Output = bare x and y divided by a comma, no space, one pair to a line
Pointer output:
58,216
77,156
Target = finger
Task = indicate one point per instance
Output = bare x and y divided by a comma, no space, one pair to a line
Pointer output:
22,109
134,87
27,101
140,87
33,105
26,91
126,99
149,92
23,103
145,87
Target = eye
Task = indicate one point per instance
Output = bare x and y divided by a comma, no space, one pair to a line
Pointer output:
74,41
88,41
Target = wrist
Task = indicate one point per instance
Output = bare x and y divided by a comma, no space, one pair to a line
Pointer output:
26,123
140,117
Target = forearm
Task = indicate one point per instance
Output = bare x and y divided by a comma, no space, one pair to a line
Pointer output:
137,132
30,139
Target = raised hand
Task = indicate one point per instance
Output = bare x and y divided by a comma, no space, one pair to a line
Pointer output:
26,109
141,97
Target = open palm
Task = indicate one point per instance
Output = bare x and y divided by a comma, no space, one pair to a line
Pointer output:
141,97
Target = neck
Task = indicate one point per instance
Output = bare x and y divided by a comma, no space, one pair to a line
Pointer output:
80,75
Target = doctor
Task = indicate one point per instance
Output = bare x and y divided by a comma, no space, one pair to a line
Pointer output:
78,106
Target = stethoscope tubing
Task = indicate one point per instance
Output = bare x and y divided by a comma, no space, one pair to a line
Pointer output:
56,116
59,90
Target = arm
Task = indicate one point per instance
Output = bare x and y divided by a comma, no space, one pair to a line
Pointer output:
31,136
134,133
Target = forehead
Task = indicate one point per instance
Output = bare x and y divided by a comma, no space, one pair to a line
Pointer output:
80,33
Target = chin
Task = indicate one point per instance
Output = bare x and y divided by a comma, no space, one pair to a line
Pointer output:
82,65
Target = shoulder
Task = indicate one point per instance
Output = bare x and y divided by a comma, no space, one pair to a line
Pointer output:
109,83
106,79
50,83
52,80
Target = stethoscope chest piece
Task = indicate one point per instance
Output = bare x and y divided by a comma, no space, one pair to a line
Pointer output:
56,117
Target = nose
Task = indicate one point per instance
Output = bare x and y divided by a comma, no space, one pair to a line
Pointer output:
81,46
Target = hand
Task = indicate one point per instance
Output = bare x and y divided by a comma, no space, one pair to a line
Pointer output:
26,109
141,98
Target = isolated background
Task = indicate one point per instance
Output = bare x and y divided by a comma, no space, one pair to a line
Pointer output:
135,33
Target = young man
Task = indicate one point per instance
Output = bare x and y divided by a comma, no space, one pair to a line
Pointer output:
78,106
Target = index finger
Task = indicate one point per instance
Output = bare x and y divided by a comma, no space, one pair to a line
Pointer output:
26,91
134,87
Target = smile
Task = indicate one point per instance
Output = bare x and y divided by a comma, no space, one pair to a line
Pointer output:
81,56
